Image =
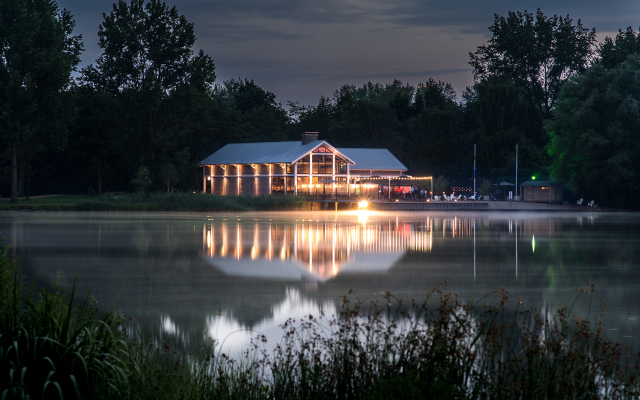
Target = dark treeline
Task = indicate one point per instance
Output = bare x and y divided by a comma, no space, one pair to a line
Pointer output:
149,109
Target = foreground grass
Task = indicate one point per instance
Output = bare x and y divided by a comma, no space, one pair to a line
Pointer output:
440,348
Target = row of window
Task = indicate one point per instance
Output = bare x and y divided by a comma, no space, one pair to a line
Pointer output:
277,182
322,164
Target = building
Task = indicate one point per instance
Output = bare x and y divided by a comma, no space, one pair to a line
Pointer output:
541,192
309,167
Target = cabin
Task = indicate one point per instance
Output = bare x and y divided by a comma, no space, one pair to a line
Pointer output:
309,166
541,192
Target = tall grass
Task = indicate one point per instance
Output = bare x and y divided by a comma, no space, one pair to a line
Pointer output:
50,348
192,202
384,347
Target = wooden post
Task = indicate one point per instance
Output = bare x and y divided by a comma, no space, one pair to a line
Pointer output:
348,182
311,173
295,179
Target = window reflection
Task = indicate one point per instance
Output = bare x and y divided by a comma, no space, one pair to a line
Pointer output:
322,248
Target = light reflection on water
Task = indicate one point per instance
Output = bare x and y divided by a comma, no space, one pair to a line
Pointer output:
176,272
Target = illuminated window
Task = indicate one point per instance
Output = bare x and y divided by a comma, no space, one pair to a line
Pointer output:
303,165
545,187
322,164
341,166
322,149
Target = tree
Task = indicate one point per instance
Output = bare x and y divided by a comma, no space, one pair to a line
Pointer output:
37,55
141,181
614,52
440,185
506,118
169,176
538,53
147,60
262,118
594,138
486,188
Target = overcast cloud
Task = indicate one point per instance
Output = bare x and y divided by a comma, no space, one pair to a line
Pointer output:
302,49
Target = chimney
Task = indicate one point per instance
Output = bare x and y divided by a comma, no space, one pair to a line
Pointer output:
309,137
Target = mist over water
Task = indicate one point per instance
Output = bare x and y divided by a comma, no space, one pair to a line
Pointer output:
233,276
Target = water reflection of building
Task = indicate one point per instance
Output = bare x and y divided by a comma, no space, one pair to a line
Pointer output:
312,250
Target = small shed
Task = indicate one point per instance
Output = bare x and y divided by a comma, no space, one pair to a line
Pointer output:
541,192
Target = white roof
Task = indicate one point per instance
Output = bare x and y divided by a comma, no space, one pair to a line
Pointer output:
265,152
373,159
289,152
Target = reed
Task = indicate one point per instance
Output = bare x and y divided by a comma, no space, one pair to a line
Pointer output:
192,202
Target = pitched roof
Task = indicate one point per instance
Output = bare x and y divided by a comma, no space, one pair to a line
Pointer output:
264,152
373,159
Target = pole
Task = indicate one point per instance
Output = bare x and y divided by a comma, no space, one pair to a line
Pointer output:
517,171
474,171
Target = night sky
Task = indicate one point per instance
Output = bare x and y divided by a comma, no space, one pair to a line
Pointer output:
302,49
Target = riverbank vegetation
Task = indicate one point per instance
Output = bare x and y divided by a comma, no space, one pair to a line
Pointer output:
53,346
159,202
122,121
192,202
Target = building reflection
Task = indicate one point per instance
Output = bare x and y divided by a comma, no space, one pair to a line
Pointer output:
313,249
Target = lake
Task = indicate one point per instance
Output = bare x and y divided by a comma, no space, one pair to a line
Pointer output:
233,275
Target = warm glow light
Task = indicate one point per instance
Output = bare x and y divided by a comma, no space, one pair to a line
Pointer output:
363,204
208,178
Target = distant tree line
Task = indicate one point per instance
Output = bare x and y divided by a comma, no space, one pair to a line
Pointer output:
149,108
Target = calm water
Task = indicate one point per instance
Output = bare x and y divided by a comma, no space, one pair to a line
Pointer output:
235,275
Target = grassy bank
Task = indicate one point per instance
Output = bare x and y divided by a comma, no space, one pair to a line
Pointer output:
49,203
192,202
158,202
441,348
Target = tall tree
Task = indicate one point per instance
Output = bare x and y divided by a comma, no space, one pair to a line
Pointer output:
594,136
538,52
148,58
37,55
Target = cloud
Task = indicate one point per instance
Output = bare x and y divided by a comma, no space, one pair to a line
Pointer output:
245,32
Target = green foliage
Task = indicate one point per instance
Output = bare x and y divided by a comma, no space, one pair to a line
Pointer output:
37,55
538,53
594,141
50,348
157,87
141,181
486,188
614,51
440,185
